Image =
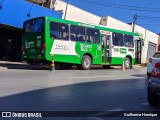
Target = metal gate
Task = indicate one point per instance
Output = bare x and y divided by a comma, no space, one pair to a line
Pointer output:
151,50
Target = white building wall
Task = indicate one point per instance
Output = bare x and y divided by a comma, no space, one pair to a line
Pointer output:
76,14
150,37
117,24
147,36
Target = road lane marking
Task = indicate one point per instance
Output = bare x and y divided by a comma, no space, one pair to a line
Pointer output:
79,77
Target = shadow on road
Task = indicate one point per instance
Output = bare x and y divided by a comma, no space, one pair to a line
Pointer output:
99,95
23,66
91,96
18,65
141,75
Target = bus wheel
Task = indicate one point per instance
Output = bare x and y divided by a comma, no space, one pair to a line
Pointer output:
86,63
128,63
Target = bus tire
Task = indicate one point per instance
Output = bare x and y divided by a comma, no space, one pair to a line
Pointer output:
86,63
128,64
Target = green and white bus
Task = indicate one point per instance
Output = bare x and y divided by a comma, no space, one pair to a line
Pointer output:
74,43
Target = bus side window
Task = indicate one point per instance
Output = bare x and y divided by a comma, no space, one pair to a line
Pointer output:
128,41
92,35
117,39
59,31
81,34
73,32
73,37
89,34
96,36
54,30
64,30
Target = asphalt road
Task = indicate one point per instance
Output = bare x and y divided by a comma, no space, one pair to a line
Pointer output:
99,90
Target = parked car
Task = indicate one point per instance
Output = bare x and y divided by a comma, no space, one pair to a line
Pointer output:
154,59
154,85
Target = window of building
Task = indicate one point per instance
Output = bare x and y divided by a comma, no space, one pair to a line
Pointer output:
59,31
117,39
128,41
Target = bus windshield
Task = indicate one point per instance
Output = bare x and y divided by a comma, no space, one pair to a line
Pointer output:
34,26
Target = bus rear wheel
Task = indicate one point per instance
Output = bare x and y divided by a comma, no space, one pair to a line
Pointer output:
86,63
128,64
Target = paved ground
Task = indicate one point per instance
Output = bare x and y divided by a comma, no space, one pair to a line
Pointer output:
21,65
103,91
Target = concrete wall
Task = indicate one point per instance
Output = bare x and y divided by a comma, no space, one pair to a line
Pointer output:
111,22
14,12
76,14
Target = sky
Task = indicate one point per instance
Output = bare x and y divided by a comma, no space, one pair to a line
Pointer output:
148,11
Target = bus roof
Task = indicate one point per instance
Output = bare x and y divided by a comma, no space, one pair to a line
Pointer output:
99,27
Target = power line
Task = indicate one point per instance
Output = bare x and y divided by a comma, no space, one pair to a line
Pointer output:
158,25
120,6
149,18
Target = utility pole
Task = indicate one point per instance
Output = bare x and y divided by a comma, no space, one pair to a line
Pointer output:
66,9
134,22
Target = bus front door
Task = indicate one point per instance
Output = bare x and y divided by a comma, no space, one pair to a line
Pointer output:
105,48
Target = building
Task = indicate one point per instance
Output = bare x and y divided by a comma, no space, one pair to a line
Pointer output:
74,13
13,13
149,44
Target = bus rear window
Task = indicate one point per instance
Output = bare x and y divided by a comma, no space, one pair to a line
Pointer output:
34,26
